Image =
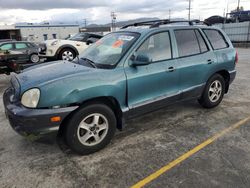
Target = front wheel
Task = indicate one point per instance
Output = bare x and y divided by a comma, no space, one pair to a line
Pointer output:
90,129
67,54
213,92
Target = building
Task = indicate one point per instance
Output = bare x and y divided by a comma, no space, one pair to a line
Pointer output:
9,32
40,32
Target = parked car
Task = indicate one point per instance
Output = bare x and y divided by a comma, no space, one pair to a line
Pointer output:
240,16
218,19
58,49
14,55
125,74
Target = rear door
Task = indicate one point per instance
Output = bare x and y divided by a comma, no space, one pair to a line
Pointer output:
223,49
24,49
195,59
151,84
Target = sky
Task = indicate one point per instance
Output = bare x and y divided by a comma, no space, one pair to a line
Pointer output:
98,11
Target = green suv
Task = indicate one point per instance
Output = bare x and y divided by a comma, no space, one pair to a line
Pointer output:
143,67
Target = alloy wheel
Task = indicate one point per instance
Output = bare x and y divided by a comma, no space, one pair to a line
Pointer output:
92,129
215,90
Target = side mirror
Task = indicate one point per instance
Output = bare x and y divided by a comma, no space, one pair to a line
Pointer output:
140,60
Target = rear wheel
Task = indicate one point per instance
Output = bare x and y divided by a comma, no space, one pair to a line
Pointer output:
90,129
213,92
34,58
67,54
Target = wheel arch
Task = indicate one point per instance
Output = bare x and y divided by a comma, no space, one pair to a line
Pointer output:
65,47
225,74
107,100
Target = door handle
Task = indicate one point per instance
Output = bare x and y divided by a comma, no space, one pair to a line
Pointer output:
210,61
170,69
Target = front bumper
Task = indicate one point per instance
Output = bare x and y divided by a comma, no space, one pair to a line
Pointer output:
33,123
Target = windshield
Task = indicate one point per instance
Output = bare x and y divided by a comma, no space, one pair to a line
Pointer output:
77,37
109,49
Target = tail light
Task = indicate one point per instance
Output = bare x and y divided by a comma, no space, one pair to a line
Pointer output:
236,57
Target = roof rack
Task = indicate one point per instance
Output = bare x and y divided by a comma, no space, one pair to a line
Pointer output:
157,23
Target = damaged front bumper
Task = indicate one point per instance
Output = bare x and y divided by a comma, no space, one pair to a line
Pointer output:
33,123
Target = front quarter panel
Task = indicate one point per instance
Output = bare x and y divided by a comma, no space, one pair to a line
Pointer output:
78,88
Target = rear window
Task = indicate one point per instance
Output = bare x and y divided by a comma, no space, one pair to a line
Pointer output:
216,39
187,42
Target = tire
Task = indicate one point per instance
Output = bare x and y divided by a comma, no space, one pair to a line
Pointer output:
212,95
85,134
67,54
34,58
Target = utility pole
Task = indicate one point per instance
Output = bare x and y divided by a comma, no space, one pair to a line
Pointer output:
169,13
85,22
189,9
238,7
113,21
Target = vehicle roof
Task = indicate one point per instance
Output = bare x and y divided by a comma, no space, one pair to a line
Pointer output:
146,29
13,41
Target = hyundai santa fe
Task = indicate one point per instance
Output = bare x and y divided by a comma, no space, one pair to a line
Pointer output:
138,69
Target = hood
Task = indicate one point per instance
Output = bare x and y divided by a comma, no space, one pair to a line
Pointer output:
62,41
48,72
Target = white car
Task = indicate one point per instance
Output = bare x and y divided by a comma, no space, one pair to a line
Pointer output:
68,49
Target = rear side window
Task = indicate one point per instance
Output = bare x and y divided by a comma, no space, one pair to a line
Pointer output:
216,39
157,47
202,43
6,47
187,42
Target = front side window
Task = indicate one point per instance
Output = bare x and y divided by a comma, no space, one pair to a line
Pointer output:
157,47
6,47
187,42
21,46
109,49
216,39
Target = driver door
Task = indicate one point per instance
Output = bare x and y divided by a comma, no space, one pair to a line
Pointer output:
156,84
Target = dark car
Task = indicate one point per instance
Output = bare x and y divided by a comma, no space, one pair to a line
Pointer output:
14,54
217,19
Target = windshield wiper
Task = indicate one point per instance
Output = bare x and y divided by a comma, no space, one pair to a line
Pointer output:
89,62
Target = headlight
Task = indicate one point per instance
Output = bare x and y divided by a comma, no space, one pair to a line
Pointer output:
30,98
54,43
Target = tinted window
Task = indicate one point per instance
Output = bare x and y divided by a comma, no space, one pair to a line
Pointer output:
187,42
157,47
203,46
6,47
216,39
21,46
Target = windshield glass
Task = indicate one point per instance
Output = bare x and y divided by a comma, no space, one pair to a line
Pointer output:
109,49
77,37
